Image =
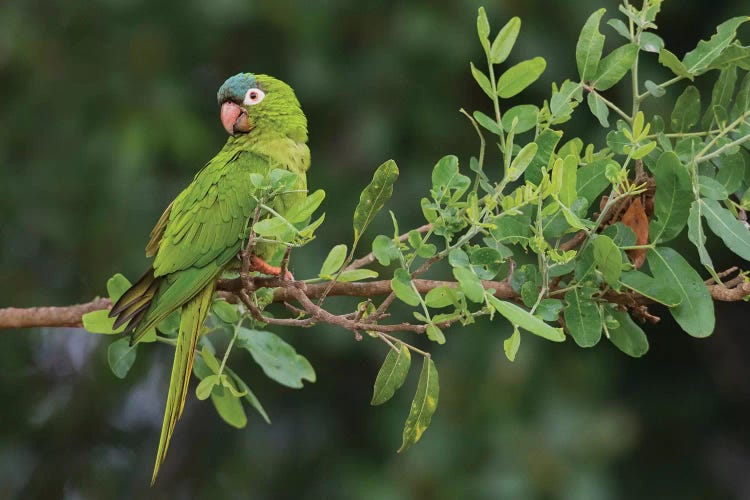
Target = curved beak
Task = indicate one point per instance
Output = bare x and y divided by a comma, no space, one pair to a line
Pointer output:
234,118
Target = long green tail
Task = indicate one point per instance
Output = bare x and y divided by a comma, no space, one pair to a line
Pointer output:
193,316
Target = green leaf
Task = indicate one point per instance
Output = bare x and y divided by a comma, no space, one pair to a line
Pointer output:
583,319
511,228
547,141
589,46
522,160
392,374
442,296
488,123
628,336
357,275
402,287
732,232
203,391
598,108
333,261
100,322
229,407
274,227
210,360
423,406
511,345
707,51
385,250
687,110
526,116
549,309
672,200
721,94
711,188
591,180
121,356
524,319
651,42
697,235
656,290
615,66
279,360
445,175
695,313
654,89
731,171
470,283
620,28
227,383
302,211
505,40
671,62
483,28
608,259
435,334
482,80
225,311
734,55
567,192
249,395
374,197
117,285
518,77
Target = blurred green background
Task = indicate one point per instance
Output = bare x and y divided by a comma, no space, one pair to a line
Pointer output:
107,109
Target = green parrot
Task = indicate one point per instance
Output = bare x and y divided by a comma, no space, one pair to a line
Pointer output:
201,232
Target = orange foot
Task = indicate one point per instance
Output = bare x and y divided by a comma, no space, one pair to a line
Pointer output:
263,267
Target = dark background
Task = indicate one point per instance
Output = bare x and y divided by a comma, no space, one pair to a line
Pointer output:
107,108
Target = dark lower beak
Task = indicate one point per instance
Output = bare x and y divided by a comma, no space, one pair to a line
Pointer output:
234,118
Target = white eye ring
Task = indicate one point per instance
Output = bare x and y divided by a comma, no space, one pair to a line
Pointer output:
253,97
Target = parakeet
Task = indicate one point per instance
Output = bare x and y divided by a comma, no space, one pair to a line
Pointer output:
201,232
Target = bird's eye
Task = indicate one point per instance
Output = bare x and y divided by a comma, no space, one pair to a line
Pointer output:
254,96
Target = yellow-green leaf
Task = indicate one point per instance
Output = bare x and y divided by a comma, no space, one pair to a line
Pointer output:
423,406
505,40
518,77
524,319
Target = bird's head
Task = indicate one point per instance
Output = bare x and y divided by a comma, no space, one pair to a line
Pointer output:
260,105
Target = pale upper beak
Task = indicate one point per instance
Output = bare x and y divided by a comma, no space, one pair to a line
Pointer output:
234,118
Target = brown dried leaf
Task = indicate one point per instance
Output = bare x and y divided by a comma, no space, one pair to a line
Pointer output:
635,218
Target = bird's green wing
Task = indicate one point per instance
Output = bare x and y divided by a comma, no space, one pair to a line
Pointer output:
199,234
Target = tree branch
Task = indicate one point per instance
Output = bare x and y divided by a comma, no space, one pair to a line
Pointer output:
733,290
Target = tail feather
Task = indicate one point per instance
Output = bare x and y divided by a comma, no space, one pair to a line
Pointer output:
193,316
136,299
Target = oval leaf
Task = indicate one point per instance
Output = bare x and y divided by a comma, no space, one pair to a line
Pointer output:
615,66
401,286
733,233
695,313
279,360
121,356
628,336
583,319
522,318
518,77
392,374
589,46
505,40
423,406
333,262
374,197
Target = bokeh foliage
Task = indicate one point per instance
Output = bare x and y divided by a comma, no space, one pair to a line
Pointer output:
108,109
